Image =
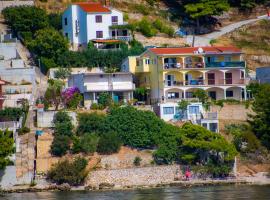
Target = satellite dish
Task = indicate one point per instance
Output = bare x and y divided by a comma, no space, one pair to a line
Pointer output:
200,50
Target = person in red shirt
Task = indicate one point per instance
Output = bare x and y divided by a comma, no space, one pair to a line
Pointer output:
188,174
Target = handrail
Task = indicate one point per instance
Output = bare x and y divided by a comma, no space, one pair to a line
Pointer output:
225,64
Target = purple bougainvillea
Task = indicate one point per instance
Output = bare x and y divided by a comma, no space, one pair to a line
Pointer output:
69,93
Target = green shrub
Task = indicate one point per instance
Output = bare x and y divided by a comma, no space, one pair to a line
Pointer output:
71,172
151,2
96,106
105,99
244,139
10,114
64,128
6,147
61,117
89,142
60,145
75,101
136,128
90,123
163,28
25,18
109,143
192,144
55,20
146,28
126,17
62,73
23,130
137,161
141,9
63,124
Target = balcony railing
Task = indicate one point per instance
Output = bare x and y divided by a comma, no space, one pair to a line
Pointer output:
195,82
123,38
195,65
225,64
213,82
172,65
174,83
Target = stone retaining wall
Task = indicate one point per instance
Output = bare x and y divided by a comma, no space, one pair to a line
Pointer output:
232,112
146,176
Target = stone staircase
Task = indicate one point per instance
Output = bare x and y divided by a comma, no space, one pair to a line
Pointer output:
25,156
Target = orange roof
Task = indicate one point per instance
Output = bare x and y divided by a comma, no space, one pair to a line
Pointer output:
106,41
192,50
93,7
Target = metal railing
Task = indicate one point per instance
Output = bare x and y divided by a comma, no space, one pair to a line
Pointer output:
172,65
123,38
225,64
194,65
195,82
174,83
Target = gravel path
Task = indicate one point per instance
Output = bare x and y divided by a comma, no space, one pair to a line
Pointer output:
204,40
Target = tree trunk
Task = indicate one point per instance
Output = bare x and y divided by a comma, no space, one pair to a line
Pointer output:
198,25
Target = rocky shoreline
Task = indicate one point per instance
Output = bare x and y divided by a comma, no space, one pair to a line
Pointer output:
106,186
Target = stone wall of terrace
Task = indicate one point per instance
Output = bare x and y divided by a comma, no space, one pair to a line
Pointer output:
143,176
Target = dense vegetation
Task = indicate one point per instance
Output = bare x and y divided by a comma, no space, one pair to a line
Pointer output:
71,172
41,34
126,125
62,134
6,147
260,121
10,114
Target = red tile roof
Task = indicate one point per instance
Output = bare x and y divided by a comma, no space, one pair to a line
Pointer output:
93,7
192,50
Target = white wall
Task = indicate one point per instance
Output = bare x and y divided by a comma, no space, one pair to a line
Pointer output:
92,26
45,118
87,24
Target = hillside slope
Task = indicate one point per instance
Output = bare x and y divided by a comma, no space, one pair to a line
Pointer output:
254,40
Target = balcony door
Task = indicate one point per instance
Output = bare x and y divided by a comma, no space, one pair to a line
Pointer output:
228,78
169,80
212,95
211,78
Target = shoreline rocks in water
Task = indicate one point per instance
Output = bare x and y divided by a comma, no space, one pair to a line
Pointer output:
106,186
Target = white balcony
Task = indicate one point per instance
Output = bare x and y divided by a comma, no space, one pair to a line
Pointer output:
123,86
98,86
106,86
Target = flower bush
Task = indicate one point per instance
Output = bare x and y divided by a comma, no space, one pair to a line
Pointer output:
71,97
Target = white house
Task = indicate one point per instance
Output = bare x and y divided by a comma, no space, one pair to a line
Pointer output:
195,113
92,21
20,78
91,84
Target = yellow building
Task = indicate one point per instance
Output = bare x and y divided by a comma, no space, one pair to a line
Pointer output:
173,74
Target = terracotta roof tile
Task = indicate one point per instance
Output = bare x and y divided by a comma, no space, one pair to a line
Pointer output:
192,50
93,7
